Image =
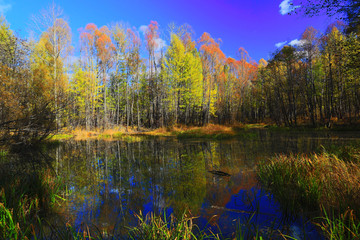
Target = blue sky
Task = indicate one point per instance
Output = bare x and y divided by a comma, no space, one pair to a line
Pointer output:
256,25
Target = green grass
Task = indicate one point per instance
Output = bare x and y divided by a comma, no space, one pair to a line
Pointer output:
3,155
198,133
8,227
118,135
104,136
61,136
347,153
342,226
163,227
24,200
154,226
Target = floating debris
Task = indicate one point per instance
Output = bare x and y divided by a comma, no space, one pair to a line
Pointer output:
220,173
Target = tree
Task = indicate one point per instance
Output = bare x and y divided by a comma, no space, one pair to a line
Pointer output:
333,56
119,76
184,74
134,65
151,36
26,115
310,49
56,34
348,10
98,50
212,61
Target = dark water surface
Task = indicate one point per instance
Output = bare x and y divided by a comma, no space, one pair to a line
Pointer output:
110,181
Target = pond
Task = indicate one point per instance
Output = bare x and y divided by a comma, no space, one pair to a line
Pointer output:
108,182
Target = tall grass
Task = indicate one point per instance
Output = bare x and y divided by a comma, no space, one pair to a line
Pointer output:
315,182
342,226
152,226
26,199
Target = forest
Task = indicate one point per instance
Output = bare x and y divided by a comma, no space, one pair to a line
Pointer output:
173,139
123,77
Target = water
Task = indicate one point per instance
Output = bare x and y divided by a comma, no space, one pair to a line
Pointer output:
110,181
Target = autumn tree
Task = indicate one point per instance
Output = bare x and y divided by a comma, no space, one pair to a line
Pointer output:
134,63
119,75
212,61
56,40
126,75
347,10
26,115
310,51
184,74
333,60
151,37
98,49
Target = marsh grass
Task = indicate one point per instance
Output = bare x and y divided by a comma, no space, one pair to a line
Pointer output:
217,132
210,131
347,153
315,182
166,227
320,179
151,227
162,227
341,226
60,137
25,200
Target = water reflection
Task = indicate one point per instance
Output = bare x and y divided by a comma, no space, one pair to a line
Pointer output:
110,181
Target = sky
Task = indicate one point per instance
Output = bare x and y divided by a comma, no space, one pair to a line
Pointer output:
259,26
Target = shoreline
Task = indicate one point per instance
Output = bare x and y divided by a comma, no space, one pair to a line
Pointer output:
210,131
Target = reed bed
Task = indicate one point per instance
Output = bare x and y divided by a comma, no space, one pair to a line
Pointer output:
317,183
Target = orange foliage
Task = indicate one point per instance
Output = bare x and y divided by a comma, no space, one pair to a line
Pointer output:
151,35
188,43
100,39
210,47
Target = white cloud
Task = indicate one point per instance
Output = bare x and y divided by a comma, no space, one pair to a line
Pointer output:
280,44
296,42
143,29
287,7
73,60
160,43
4,7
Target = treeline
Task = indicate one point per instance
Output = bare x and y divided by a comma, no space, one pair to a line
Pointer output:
121,77
187,82
316,81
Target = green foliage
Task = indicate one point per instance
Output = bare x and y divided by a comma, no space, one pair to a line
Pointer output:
184,78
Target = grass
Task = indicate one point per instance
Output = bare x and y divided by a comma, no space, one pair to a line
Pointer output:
23,201
163,227
60,136
154,227
347,153
149,227
317,182
343,226
3,155
210,131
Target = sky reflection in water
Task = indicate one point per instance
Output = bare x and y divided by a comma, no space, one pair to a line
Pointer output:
111,181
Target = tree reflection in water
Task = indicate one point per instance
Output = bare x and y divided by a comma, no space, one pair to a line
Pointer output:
109,181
